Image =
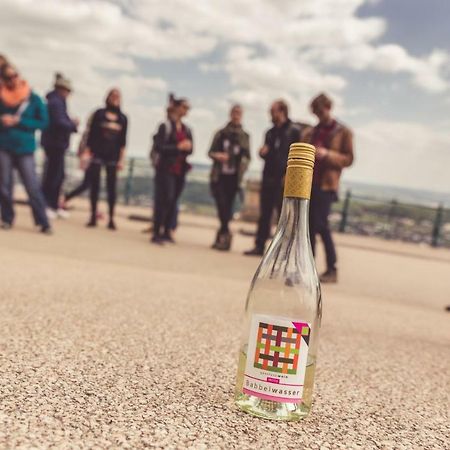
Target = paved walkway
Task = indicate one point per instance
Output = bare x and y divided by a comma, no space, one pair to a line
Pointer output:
109,342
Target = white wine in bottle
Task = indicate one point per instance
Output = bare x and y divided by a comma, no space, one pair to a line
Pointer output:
277,358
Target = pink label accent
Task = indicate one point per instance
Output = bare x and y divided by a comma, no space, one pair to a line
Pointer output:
299,325
273,380
271,397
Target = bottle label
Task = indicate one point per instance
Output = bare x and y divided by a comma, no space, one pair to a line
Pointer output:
276,358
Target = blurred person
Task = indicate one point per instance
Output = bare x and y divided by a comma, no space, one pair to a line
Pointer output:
22,112
55,141
85,165
275,154
106,143
172,144
230,151
334,152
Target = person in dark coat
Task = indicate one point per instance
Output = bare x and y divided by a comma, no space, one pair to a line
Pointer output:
171,146
55,141
275,154
106,148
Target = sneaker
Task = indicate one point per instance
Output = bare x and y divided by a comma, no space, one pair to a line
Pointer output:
112,225
6,226
224,243
92,223
62,214
51,214
330,276
46,229
157,240
257,251
168,238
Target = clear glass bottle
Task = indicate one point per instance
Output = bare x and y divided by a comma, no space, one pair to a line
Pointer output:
277,358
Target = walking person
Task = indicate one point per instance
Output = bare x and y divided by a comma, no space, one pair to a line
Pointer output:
22,112
275,154
230,151
334,152
106,148
55,141
172,144
85,165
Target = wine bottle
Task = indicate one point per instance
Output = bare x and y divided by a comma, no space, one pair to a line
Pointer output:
277,357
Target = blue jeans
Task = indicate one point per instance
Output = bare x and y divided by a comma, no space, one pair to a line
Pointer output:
26,167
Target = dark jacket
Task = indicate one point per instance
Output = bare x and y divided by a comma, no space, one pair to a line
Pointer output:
20,139
165,151
107,134
57,135
278,140
224,140
340,155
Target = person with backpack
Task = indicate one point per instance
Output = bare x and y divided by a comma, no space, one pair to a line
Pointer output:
274,152
171,146
334,152
106,148
230,151
22,113
55,141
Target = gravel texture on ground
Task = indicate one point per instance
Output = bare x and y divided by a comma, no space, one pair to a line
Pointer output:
109,342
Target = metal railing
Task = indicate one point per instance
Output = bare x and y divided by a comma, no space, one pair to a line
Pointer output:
357,214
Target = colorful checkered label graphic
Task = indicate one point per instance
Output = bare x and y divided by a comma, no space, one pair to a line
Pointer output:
278,347
277,356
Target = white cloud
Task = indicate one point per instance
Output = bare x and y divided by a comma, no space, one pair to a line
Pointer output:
267,49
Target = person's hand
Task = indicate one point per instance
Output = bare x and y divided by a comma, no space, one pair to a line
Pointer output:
263,151
85,160
321,153
222,157
185,145
120,164
8,120
76,121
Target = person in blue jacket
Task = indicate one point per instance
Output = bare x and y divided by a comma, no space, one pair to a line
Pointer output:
22,112
55,141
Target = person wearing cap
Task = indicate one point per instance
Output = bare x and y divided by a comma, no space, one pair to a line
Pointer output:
22,112
55,141
274,152
334,152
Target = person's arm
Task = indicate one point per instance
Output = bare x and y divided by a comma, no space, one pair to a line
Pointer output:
59,117
265,149
191,139
161,146
215,152
38,120
246,157
343,157
123,143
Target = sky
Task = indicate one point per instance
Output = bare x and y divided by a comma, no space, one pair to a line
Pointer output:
385,63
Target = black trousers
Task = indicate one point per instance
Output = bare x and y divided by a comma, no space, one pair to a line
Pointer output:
271,198
84,186
319,210
111,182
168,189
54,174
224,192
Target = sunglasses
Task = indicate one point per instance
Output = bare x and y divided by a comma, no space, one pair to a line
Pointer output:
10,77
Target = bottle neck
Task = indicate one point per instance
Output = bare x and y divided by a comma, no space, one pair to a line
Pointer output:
294,219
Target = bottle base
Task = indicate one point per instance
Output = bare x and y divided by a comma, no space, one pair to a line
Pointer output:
271,410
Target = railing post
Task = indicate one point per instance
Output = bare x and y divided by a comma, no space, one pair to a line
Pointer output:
129,181
437,226
344,213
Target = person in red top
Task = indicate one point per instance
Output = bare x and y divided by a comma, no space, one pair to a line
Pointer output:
171,146
334,152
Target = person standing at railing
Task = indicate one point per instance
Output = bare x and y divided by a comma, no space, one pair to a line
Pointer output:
275,154
230,151
106,148
334,152
22,112
55,141
171,145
